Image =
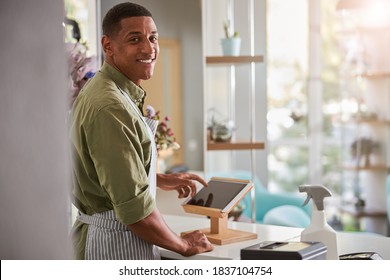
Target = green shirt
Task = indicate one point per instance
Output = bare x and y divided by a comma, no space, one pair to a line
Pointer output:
111,152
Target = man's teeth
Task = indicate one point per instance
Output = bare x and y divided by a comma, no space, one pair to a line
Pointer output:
145,60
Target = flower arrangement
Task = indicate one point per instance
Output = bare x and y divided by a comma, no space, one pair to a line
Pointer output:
164,137
80,68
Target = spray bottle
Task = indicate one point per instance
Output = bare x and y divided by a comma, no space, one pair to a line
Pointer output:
319,230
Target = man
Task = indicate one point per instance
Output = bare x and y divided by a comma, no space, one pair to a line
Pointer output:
115,155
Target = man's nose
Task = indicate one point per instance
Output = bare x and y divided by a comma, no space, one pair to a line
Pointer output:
148,47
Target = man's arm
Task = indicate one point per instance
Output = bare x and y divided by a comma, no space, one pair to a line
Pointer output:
153,229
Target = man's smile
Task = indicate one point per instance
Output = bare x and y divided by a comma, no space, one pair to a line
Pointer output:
147,61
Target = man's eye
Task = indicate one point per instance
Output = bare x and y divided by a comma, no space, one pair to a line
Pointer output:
153,39
134,40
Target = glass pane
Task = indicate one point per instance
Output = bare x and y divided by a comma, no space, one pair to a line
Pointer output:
287,116
287,57
288,168
331,167
84,13
331,61
330,73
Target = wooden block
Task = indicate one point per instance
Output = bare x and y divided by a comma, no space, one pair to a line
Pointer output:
228,237
204,211
218,225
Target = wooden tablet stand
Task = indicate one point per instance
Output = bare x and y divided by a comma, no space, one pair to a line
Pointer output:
219,233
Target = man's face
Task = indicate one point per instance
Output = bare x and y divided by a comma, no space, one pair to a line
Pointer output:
134,50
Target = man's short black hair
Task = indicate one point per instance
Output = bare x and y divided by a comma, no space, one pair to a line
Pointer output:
111,21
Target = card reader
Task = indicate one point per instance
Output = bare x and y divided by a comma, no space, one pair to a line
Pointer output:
274,250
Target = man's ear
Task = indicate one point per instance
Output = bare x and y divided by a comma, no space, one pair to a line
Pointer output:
106,44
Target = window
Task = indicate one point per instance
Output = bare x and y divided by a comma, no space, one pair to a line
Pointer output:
84,13
287,58
303,94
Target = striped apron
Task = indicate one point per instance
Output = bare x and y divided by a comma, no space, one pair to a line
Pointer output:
109,239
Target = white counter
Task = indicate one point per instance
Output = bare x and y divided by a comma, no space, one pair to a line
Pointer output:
347,242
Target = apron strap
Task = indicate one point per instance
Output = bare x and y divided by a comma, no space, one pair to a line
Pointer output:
151,126
105,219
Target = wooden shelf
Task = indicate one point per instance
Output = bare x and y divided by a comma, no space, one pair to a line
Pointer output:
363,29
233,59
219,146
365,121
367,75
373,75
364,212
366,168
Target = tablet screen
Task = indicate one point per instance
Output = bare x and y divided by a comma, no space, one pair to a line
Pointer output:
218,194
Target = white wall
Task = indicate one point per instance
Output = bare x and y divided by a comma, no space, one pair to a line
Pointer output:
34,169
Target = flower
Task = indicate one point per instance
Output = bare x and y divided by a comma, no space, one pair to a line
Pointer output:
164,137
80,68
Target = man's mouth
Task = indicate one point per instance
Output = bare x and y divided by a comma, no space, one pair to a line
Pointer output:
146,61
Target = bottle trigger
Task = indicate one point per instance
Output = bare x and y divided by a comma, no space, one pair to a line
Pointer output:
308,197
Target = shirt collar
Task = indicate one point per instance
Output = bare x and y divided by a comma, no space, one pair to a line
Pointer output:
136,93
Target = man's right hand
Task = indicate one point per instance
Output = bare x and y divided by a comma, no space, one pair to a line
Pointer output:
197,243
153,229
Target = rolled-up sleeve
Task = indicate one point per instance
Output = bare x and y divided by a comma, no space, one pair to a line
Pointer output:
120,150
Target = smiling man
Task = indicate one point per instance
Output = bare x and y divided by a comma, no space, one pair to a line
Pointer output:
114,154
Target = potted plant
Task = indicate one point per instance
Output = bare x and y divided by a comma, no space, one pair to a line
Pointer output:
232,42
219,130
165,138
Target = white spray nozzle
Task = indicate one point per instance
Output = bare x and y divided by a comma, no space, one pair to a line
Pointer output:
317,193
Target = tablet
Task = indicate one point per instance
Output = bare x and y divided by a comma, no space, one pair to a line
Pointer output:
221,193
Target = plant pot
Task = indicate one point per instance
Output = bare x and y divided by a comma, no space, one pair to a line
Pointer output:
221,133
231,46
